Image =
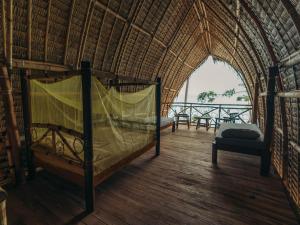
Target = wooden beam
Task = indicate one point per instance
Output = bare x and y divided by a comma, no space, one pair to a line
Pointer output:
88,136
47,30
293,13
4,29
99,38
10,35
285,131
255,102
38,65
86,28
125,35
68,31
152,38
269,123
261,31
291,60
12,126
29,29
223,22
289,94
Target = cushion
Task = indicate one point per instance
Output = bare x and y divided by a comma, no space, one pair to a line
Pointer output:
240,133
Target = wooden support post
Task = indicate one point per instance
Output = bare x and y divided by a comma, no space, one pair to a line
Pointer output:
12,128
158,113
269,124
116,82
87,136
27,122
285,135
255,101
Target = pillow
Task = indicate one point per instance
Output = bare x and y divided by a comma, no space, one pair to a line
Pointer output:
241,134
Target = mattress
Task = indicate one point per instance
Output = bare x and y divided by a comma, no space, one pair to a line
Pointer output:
164,121
257,144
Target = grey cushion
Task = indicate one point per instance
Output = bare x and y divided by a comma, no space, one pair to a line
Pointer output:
257,143
240,133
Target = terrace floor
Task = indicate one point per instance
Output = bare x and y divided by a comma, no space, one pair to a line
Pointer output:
178,187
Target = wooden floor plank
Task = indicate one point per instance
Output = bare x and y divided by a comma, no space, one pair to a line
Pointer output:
178,187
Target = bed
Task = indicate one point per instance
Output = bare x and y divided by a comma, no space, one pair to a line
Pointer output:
255,146
85,131
239,141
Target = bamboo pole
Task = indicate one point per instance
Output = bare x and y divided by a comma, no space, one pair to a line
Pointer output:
255,102
4,28
12,128
10,35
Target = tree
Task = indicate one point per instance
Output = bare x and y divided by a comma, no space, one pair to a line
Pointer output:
207,96
229,93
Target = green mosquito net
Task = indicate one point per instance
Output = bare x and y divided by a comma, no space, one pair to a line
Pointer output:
122,122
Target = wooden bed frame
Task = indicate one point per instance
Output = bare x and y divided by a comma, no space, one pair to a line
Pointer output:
83,174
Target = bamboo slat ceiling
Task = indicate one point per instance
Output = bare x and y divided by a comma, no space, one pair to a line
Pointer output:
149,38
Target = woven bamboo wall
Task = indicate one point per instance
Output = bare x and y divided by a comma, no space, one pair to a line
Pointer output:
149,38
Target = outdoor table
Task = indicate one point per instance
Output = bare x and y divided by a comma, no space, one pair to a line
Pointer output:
205,124
185,119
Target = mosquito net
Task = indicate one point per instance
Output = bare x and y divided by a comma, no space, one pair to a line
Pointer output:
122,122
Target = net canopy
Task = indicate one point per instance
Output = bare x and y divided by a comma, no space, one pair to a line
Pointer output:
122,122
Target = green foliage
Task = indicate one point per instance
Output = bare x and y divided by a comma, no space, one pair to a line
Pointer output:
207,96
229,93
244,98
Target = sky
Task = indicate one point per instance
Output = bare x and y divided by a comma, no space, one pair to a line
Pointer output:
217,77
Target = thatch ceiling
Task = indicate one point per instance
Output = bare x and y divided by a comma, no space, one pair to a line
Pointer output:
150,38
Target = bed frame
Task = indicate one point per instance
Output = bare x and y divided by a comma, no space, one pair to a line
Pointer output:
78,171
265,152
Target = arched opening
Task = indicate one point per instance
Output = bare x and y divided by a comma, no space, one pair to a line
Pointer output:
215,90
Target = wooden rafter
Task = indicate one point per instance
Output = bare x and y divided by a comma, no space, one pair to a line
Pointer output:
236,31
99,37
3,22
293,13
47,30
10,34
182,65
261,31
125,35
242,30
137,36
172,40
29,28
152,38
206,25
68,31
86,27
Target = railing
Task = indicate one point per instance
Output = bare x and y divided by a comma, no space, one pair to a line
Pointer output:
237,113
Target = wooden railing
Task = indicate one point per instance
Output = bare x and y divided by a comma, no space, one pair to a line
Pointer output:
238,113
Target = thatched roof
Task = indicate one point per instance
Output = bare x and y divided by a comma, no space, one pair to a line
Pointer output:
146,38
149,38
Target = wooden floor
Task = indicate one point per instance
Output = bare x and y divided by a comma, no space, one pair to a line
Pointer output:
178,187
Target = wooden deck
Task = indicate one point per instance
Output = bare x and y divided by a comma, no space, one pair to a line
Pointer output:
178,187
